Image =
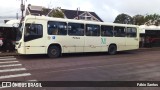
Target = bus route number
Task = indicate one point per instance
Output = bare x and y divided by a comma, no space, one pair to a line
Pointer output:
103,40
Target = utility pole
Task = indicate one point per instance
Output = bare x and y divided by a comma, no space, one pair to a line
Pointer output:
78,9
22,6
17,16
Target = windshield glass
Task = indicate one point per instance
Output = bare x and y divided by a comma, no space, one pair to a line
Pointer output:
19,32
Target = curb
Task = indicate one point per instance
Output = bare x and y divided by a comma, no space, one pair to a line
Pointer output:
9,54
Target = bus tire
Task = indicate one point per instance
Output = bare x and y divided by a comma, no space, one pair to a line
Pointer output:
112,50
54,51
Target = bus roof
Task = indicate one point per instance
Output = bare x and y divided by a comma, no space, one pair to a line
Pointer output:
13,22
152,27
143,28
5,25
77,21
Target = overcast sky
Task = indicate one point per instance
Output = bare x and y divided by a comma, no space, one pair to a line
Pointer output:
106,9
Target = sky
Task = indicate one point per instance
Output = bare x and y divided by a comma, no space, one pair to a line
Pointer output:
107,10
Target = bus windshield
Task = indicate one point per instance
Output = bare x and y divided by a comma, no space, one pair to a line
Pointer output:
19,32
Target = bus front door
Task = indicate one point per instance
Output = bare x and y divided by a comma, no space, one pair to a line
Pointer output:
33,38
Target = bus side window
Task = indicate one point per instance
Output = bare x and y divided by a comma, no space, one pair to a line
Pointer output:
62,28
131,32
107,31
57,28
119,31
76,29
55,32
52,30
92,30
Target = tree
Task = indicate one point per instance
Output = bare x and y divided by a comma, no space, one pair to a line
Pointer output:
124,19
152,19
138,19
45,11
57,13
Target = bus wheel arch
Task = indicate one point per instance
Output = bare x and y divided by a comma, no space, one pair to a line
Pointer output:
54,51
112,49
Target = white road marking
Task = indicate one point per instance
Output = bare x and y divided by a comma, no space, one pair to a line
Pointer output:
7,59
11,65
12,70
14,76
9,62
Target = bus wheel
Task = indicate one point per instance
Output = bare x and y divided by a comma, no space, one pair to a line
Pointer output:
112,50
54,52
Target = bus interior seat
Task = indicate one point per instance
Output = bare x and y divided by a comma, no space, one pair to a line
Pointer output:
55,32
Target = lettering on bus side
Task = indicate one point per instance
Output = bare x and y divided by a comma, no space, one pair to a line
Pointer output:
76,38
103,40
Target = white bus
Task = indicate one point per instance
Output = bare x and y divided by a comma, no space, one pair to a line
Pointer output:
54,36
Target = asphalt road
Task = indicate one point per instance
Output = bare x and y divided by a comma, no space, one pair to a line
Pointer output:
139,65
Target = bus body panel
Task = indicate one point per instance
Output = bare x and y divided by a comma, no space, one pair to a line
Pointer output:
20,48
69,44
120,42
133,42
92,44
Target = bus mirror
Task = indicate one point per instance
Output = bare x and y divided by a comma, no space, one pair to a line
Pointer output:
15,25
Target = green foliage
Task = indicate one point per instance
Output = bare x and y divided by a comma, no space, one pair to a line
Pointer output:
151,19
57,13
138,19
124,19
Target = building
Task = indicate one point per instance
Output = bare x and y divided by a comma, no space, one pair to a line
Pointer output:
69,14
36,10
82,15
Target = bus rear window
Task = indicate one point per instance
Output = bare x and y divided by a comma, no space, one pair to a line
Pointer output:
131,32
